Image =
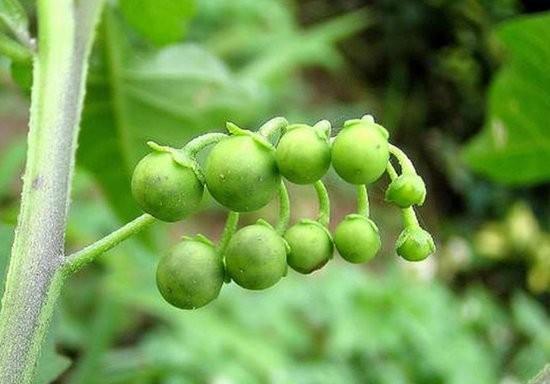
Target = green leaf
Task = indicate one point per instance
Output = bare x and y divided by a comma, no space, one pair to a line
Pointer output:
164,95
514,146
161,21
13,17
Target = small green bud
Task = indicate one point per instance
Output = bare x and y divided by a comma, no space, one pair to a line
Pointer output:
360,152
357,238
166,185
406,190
414,244
191,274
311,246
256,257
303,154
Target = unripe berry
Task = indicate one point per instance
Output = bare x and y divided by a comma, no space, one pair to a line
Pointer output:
256,257
191,275
311,246
241,173
303,154
360,152
406,190
414,244
357,238
166,186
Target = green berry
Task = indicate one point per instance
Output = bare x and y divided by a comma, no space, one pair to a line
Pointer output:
191,275
311,246
357,238
165,186
256,257
406,190
360,152
414,244
303,154
241,173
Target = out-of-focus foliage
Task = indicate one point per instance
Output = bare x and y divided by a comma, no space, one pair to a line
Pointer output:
514,147
518,238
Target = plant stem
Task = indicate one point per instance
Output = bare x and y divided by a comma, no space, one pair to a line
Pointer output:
324,203
284,209
200,142
34,278
362,201
228,231
273,126
79,259
404,162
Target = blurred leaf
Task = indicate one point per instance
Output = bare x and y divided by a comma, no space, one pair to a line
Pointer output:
51,364
165,96
11,162
161,21
514,146
14,17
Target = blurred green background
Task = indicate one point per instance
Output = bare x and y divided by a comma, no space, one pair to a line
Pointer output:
462,85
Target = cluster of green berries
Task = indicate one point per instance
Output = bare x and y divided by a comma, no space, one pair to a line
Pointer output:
243,172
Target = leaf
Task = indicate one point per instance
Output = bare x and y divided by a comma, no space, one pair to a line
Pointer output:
514,146
161,21
165,96
13,16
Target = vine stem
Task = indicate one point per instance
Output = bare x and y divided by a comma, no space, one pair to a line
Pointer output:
404,162
34,279
324,203
203,141
273,126
228,231
284,209
363,201
408,214
86,255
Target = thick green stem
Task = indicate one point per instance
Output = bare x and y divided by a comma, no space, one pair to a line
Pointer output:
203,141
228,231
404,162
34,276
362,201
284,209
324,203
79,259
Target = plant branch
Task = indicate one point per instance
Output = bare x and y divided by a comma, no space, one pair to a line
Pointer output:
324,203
79,259
228,231
404,162
197,144
362,201
34,278
284,209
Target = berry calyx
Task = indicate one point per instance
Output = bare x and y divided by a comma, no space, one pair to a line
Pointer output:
303,153
191,274
406,190
255,257
414,244
357,238
360,151
311,246
166,184
241,171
